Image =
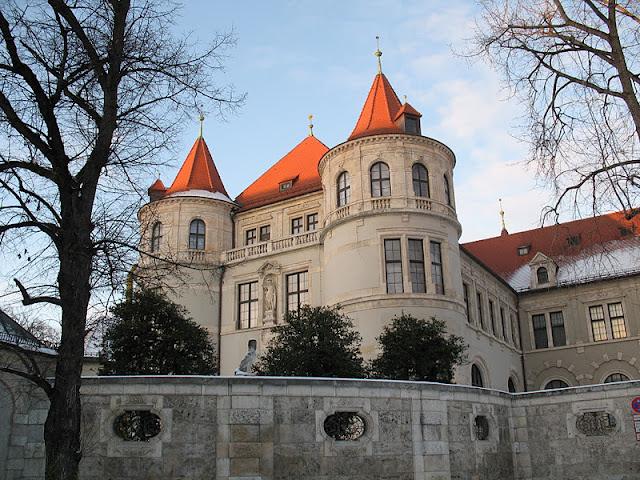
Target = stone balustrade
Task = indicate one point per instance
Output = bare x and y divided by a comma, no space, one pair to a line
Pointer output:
271,246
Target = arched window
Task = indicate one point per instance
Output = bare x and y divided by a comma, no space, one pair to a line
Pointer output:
616,377
420,180
556,384
196,234
156,235
380,180
344,189
511,385
476,376
447,191
543,275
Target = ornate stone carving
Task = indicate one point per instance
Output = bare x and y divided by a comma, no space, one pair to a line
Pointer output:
269,273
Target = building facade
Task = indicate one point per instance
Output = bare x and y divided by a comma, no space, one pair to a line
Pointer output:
371,224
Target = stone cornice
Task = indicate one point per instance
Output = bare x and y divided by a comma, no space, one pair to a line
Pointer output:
376,139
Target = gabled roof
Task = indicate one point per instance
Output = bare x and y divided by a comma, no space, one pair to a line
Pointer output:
408,109
380,110
198,172
300,166
157,186
12,332
583,249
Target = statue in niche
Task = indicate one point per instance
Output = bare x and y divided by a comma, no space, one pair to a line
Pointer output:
246,365
269,299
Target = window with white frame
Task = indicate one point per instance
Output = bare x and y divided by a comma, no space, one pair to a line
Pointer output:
247,304
380,180
558,334
416,266
297,290
312,222
393,265
437,276
598,323
297,226
549,326
616,316
156,236
250,236
540,336
420,177
343,189
197,234
265,233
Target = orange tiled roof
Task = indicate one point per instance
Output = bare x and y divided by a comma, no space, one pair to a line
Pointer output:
198,172
407,108
500,254
157,186
380,110
299,165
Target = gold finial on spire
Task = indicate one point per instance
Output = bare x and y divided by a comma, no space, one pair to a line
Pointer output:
310,117
201,122
405,98
504,226
378,54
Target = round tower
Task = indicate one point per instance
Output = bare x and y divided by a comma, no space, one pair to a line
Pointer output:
391,232
184,230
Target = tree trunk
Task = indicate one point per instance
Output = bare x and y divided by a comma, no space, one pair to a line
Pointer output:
62,427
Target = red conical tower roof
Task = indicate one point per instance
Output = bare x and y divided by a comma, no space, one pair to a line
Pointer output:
300,166
379,111
198,172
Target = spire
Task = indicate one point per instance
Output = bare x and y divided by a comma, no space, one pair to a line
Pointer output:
378,54
504,226
310,117
198,172
379,111
201,123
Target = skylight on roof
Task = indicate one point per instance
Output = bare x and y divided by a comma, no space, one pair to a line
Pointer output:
523,250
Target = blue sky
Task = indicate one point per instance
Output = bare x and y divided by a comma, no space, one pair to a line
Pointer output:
299,57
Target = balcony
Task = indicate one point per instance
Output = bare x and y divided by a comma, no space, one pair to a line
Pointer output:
390,203
272,246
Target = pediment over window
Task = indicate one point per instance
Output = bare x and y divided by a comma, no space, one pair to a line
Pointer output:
543,271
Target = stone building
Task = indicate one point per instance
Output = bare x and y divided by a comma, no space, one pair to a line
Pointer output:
371,224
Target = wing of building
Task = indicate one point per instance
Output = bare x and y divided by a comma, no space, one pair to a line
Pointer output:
371,224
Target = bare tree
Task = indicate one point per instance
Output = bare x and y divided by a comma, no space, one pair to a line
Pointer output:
576,64
91,93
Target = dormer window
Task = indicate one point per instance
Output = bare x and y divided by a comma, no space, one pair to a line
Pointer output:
286,185
543,275
574,240
411,125
523,250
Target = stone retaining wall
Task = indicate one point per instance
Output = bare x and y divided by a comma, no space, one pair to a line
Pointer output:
264,428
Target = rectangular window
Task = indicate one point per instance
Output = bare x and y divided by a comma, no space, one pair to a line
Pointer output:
416,266
557,329
250,236
265,233
598,325
540,331
393,265
297,291
504,324
312,222
492,316
480,309
616,315
247,304
465,291
436,267
515,329
296,226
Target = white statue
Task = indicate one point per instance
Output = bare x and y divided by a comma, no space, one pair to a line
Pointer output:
269,299
246,365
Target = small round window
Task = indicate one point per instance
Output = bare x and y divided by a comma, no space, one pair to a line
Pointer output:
481,427
345,426
137,425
